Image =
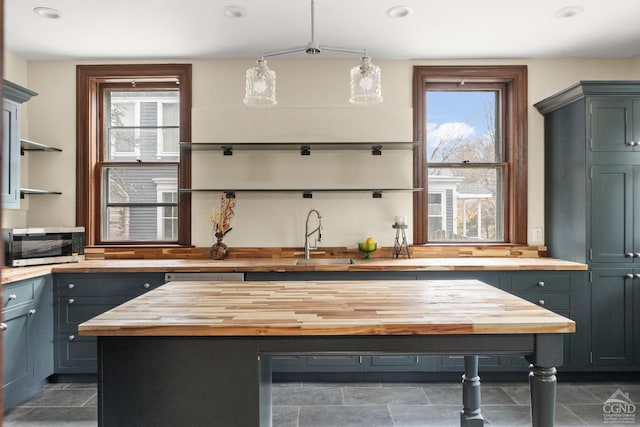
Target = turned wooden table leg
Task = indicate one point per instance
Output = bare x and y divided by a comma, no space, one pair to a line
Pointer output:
471,415
542,386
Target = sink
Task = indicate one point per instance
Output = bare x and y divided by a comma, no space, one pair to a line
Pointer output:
324,261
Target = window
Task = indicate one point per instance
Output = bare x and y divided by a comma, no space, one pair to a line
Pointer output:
129,129
472,162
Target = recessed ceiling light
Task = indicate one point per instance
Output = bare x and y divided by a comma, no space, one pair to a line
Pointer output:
399,11
234,12
47,12
569,11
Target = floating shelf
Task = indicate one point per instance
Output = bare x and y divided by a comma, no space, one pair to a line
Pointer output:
24,191
306,193
26,145
305,148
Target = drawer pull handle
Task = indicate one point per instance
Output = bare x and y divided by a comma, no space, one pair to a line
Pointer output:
628,276
12,297
637,255
540,283
632,143
71,300
629,255
71,286
3,326
32,312
72,337
146,286
637,275
541,302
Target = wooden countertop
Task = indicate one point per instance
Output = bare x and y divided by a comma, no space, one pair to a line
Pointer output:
371,307
289,264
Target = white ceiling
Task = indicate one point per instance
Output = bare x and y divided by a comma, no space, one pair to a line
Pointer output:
182,29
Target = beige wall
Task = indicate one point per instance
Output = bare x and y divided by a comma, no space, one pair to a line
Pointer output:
313,106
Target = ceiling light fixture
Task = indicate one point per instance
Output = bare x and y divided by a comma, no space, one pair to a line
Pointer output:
366,78
47,12
234,12
569,11
399,12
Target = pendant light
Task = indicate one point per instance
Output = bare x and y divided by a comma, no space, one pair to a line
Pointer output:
366,79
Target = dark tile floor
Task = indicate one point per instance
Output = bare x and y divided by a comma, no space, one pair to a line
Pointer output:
359,404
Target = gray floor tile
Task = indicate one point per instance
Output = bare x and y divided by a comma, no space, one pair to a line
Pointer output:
345,416
439,395
519,393
338,384
307,396
285,416
573,394
384,396
57,417
507,415
425,415
286,385
60,398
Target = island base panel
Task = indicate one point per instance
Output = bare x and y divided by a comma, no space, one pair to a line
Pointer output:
155,382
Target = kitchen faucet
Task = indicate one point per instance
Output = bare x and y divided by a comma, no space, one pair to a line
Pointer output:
307,233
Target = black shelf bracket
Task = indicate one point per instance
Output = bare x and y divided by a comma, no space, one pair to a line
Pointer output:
376,150
305,150
377,194
307,195
227,150
230,194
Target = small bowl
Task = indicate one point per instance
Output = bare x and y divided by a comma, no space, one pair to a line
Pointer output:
364,247
367,248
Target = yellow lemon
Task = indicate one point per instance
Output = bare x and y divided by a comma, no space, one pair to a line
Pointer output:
369,241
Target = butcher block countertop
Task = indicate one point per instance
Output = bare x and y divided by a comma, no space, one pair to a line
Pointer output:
282,308
289,264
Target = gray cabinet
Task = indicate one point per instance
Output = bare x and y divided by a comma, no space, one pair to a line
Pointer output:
614,123
14,95
27,338
592,206
613,317
615,234
80,297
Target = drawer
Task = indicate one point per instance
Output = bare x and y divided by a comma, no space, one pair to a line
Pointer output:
541,283
17,294
78,309
107,285
395,360
549,300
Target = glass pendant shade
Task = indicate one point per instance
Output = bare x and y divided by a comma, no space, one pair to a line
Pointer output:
260,86
366,83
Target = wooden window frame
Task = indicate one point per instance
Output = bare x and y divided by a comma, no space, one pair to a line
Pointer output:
88,136
514,78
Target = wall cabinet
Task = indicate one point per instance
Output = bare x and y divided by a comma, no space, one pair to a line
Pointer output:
14,95
27,338
592,206
80,297
614,123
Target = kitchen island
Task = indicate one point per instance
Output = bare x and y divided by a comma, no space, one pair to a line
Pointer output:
199,353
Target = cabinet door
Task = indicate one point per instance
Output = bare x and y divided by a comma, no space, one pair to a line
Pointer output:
10,155
612,317
612,233
17,357
611,124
